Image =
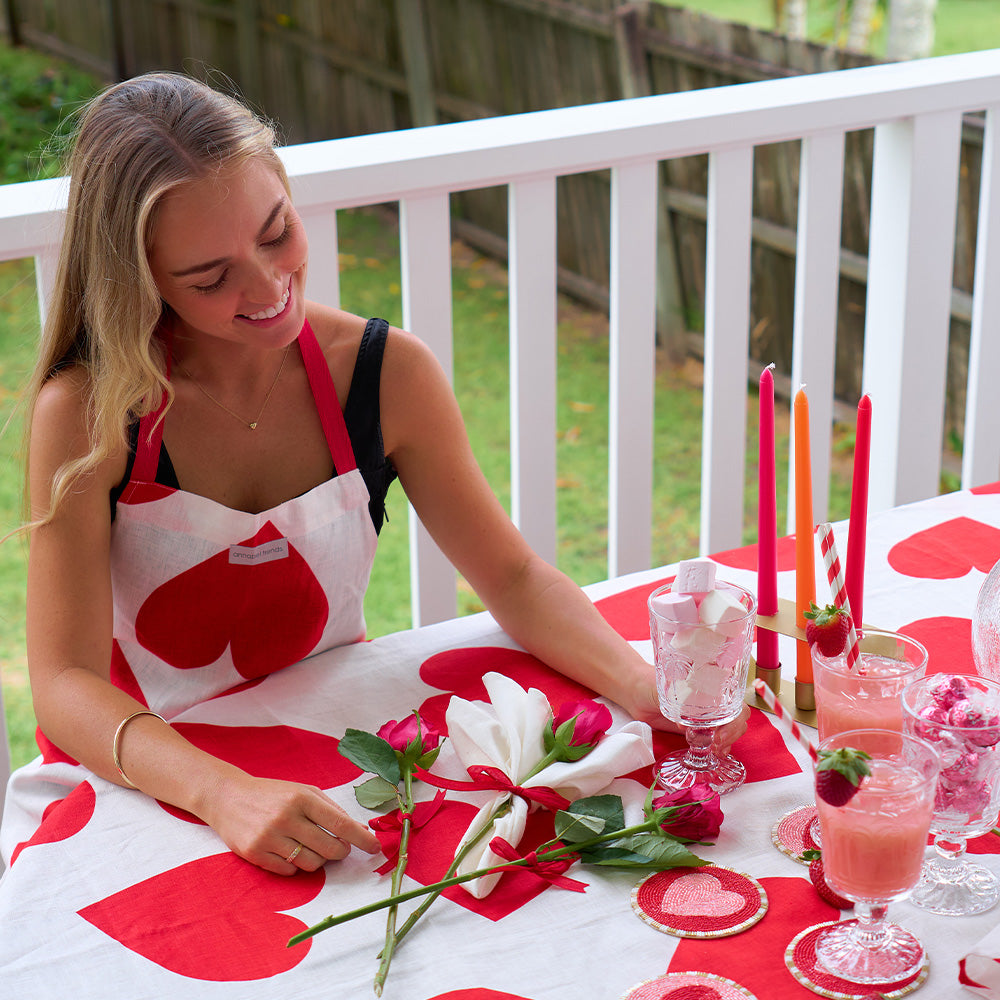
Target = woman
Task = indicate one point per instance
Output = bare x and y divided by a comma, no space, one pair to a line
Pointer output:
189,454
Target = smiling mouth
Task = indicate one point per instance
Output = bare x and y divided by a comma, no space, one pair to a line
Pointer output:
271,311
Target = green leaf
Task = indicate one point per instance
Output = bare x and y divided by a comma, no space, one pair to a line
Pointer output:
613,857
376,792
428,759
370,753
575,827
608,807
664,852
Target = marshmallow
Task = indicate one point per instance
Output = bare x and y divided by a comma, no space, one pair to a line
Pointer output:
694,576
723,612
698,644
675,608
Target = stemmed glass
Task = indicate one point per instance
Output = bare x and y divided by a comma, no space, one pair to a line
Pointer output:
959,716
986,626
873,847
701,676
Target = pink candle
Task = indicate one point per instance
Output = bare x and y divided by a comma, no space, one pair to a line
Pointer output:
767,527
858,526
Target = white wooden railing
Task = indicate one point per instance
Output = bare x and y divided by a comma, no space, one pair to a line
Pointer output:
916,110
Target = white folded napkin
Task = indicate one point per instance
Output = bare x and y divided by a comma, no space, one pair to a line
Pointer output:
507,733
979,970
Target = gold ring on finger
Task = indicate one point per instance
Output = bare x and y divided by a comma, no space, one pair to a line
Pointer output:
291,857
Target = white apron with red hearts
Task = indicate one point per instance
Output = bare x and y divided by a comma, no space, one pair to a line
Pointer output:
207,598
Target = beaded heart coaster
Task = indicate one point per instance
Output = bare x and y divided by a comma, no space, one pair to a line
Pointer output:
791,833
705,902
689,986
800,957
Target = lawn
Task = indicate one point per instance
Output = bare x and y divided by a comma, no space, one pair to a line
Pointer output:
959,26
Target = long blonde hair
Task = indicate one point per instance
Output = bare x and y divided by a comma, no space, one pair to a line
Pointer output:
136,141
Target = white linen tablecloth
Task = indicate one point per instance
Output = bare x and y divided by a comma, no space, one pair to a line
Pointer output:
115,895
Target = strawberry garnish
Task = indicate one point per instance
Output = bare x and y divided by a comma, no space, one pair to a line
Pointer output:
827,628
818,879
839,774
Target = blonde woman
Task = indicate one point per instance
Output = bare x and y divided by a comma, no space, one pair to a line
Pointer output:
191,409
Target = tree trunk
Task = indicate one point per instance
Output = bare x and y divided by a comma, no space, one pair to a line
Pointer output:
859,28
911,29
793,18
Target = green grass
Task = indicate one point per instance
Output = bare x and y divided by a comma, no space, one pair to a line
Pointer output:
959,26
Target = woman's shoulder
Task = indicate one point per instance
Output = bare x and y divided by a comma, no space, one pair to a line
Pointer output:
61,422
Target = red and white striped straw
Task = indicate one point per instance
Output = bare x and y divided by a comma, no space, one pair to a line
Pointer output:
782,716
835,576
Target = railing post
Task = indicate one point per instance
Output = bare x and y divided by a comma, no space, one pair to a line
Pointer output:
727,332
633,366
817,274
425,254
532,276
910,263
981,447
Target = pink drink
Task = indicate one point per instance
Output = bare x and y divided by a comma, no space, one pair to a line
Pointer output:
867,697
873,847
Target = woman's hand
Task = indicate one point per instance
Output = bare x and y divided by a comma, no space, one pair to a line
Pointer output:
264,821
645,706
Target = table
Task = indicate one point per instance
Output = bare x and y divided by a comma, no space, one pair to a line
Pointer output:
112,888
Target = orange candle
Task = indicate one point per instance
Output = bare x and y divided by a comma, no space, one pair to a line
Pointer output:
805,554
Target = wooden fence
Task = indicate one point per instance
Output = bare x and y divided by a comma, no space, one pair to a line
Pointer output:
329,68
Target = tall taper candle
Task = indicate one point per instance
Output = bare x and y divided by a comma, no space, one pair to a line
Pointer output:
767,526
805,553
857,532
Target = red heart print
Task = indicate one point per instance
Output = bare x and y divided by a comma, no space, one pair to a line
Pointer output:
761,750
218,919
948,550
271,613
282,752
432,849
460,671
948,642
988,488
62,818
477,993
793,905
122,675
697,992
746,557
627,612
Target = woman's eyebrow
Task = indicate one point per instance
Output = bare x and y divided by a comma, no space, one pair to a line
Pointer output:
209,265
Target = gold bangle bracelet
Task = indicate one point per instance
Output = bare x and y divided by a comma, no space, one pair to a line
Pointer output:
117,740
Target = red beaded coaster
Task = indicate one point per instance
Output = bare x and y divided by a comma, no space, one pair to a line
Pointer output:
800,957
705,902
689,986
791,833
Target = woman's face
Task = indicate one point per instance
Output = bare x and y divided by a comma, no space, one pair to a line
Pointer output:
229,257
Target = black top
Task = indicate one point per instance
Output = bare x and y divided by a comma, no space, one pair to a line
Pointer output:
361,415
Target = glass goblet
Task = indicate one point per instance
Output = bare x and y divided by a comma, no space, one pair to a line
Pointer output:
959,716
701,676
986,626
873,847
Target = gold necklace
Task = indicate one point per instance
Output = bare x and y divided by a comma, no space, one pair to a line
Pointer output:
252,424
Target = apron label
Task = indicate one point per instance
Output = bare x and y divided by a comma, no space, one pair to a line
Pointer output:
254,555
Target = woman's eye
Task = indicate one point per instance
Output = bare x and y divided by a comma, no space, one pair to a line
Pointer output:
281,237
214,286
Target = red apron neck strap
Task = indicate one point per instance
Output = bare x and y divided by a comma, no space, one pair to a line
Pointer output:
327,404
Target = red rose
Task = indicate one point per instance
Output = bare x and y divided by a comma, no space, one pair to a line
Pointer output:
593,720
699,816
399,735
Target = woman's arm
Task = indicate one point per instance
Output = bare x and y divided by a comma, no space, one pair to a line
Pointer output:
536,604
69,641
